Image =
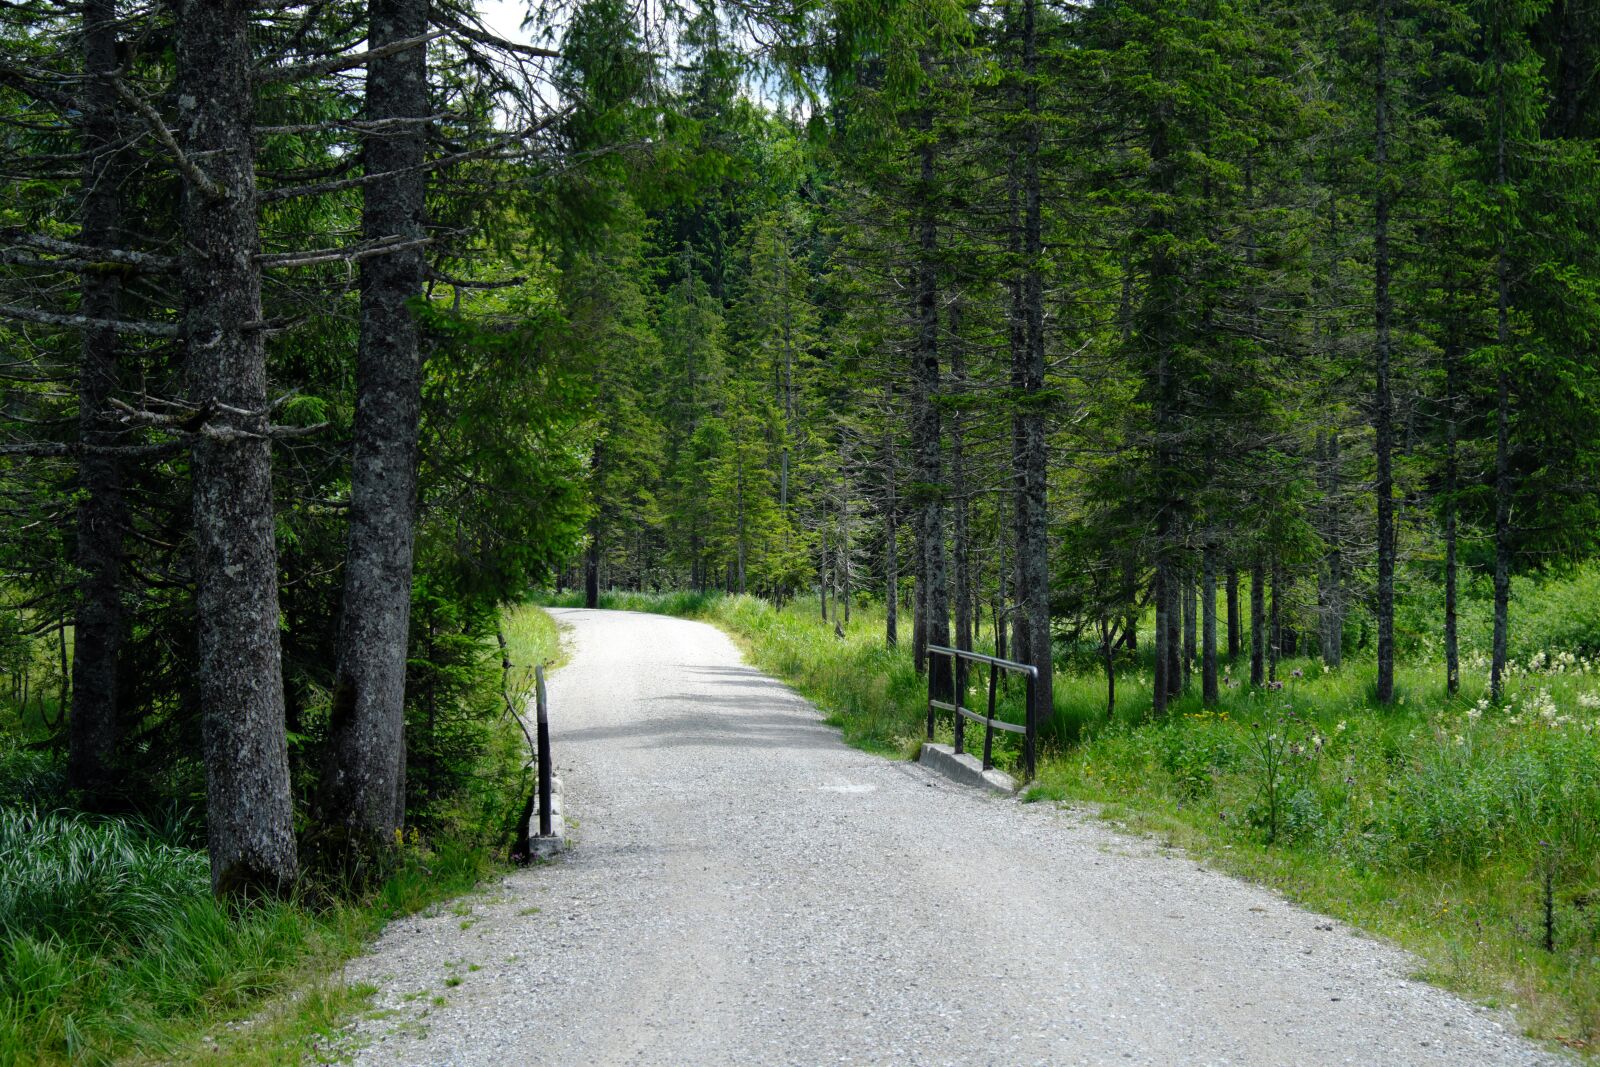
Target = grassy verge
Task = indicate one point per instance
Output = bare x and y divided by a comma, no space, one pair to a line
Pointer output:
1467,833
112,948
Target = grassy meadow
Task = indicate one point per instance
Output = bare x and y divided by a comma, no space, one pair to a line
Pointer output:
113,949
1465,831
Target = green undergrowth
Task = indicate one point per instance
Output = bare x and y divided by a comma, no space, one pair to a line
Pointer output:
113,949
1465,831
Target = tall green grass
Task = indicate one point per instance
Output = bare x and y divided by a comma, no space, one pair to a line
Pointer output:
112,945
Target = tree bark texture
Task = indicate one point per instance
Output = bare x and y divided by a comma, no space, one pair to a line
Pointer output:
1258,625
1332,595
1190,625
927,429
1158,679
1452,645
1383,402
100,627
891,529
249,821
1235,629
368,709
1208,629
1030,446
960,526
1502,425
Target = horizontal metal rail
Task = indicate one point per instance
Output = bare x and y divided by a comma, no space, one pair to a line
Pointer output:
960,658
979,657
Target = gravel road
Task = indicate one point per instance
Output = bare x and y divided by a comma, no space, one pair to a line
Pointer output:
747,890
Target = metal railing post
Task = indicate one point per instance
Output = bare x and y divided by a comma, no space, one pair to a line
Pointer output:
544,753
988,732
1030,720
960,672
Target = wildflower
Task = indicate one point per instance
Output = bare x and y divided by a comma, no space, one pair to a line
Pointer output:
1297,673
1341,726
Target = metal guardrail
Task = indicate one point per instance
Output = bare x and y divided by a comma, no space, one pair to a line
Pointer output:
960,658
527,845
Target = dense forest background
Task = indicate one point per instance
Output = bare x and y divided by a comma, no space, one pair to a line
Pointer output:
1161,341
1049,316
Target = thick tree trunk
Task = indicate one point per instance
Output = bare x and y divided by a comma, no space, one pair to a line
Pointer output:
1209,690
1258,624
1383,404
249,819
366,795
94,730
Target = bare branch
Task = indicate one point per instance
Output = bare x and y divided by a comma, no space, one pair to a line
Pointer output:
197,177
500,144
357,125
59,449
84,322
484,37
462,283
334,64
340,255
89,253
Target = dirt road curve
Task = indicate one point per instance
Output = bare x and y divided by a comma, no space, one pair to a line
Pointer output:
747,890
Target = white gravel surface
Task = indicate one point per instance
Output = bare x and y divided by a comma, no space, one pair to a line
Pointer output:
745,889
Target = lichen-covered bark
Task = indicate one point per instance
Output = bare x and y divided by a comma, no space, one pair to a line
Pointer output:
100,625
365,786
240,671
